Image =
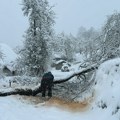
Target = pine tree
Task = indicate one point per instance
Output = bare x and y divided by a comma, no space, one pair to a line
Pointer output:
41,19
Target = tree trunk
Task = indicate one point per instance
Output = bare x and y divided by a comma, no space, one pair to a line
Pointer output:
30,92
34,27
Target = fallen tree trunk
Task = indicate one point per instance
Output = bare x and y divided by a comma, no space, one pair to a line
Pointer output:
30,92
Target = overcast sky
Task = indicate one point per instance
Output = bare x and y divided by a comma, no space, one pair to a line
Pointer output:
70,15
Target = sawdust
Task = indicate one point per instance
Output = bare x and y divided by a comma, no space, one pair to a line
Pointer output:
57,102
68,105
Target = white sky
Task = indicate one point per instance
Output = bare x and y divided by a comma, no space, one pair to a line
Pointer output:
70,15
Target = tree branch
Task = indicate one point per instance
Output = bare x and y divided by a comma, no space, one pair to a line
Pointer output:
81,72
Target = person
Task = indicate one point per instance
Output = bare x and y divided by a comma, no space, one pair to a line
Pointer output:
46,84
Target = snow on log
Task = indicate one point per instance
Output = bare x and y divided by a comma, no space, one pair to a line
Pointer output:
81,72
30,92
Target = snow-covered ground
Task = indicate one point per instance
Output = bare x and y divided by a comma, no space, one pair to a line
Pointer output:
107,89
104,106
13,109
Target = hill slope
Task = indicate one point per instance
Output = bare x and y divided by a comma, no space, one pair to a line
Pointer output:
8,54
108,89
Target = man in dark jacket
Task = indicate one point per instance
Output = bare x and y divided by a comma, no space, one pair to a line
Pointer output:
47,83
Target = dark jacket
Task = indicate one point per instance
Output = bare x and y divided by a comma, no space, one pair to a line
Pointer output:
47,79
47,83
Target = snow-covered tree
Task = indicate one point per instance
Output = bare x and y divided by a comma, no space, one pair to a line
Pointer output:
69,47
64,45
88,43
111,36
41,19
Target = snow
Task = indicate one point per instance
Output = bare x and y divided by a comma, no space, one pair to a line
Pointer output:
56,56
61,75
105,104
108,87
8,54
79,57
60,61
13,109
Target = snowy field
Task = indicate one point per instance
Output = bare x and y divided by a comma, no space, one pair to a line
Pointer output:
104,106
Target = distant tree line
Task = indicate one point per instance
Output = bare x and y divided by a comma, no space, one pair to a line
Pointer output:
41,42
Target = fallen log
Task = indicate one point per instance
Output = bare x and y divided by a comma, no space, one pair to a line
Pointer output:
30,92
27,92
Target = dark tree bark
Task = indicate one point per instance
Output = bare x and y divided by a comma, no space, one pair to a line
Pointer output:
30,92
34,27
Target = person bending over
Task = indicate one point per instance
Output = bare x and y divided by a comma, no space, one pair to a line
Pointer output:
46,84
